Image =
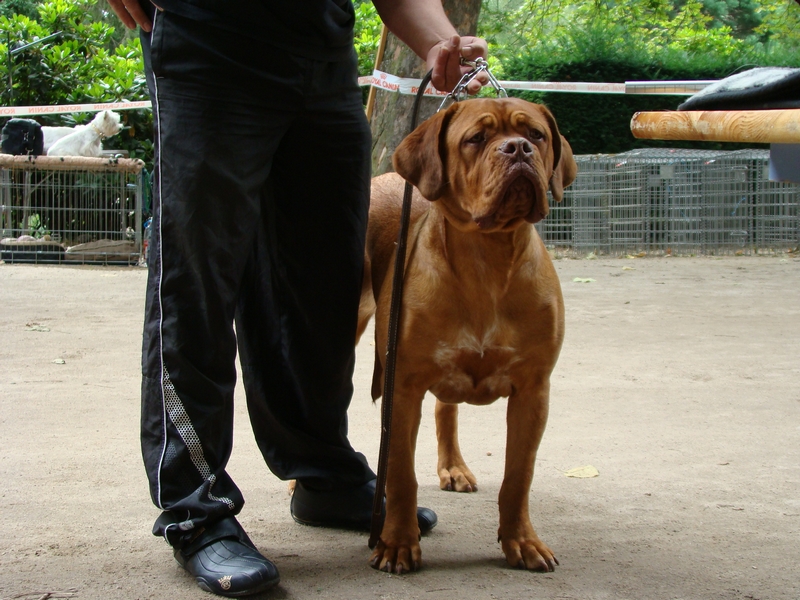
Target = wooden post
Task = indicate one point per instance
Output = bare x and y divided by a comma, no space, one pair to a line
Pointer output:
378,60
756,126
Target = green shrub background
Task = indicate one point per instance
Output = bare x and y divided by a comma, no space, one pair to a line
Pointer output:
600,123
96,60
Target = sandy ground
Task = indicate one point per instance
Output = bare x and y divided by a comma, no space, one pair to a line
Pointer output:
678,381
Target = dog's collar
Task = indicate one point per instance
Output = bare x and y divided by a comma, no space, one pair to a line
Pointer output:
100,133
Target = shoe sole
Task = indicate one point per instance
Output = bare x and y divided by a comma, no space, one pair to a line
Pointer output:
269,584
349,525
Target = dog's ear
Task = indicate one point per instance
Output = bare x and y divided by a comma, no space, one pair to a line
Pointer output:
421,156
564,167
565,172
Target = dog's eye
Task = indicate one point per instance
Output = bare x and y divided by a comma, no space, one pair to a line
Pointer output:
535,134
478,138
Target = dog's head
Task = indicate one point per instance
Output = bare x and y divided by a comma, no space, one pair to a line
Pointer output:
107,122
489,161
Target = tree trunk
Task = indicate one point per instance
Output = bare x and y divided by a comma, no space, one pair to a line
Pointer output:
391,118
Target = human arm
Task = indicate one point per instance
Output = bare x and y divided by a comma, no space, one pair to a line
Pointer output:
424,27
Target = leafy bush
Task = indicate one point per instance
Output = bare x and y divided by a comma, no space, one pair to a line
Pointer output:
601,123
18,7
82,65
367,36
91,62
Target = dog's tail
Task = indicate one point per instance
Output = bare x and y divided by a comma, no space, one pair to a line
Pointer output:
366,306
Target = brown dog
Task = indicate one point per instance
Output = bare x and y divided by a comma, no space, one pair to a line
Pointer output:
482,317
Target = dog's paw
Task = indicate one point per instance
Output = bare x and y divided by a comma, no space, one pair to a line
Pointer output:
457,478
529,553
396,558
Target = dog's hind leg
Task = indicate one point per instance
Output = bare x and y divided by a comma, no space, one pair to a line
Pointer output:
454,475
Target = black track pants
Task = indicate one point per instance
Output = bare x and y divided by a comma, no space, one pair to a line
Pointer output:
262,187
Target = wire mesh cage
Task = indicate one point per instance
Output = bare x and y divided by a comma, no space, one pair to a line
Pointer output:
70,209
675,201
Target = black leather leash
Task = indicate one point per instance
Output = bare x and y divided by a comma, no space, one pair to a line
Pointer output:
394,329
458,93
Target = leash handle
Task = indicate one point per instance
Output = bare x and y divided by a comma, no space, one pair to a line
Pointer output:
376,524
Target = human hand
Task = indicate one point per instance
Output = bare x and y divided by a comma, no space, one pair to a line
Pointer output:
444,58
131,13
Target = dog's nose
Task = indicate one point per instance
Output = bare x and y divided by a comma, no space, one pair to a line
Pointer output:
519,148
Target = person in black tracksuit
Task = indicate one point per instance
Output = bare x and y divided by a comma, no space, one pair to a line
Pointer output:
261,196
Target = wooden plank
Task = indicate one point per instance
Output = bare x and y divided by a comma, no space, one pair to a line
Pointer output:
70,163
756,126
378,61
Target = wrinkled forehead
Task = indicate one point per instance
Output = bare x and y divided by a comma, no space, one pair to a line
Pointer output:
499,114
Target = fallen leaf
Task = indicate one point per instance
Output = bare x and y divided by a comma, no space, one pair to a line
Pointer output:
583,280
36,327
628,269
59,361
584,472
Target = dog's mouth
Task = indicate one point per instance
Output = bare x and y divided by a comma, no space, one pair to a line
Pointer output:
515,203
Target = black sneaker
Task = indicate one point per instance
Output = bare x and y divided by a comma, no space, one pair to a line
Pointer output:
224,561
346,509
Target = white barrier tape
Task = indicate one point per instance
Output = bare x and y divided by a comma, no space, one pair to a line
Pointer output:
27,111
404,85
579,87
408,86
667,88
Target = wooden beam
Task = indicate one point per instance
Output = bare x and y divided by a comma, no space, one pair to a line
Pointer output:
378,61
755,126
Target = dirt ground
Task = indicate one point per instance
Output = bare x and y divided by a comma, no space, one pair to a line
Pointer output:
679,382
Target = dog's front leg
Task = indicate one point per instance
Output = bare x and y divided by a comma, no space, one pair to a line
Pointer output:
398,549
525,419
454,474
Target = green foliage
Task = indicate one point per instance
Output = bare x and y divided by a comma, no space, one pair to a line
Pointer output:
780,24
724,28
36,228
19,7
742,17
601,123
617,41
92,61
367,36
84,64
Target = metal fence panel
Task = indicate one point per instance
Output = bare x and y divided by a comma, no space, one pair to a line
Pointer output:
675,201
85,210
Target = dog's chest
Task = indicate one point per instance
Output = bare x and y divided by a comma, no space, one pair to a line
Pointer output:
475,366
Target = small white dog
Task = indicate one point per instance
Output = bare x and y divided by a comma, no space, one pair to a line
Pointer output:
53,134
83,140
